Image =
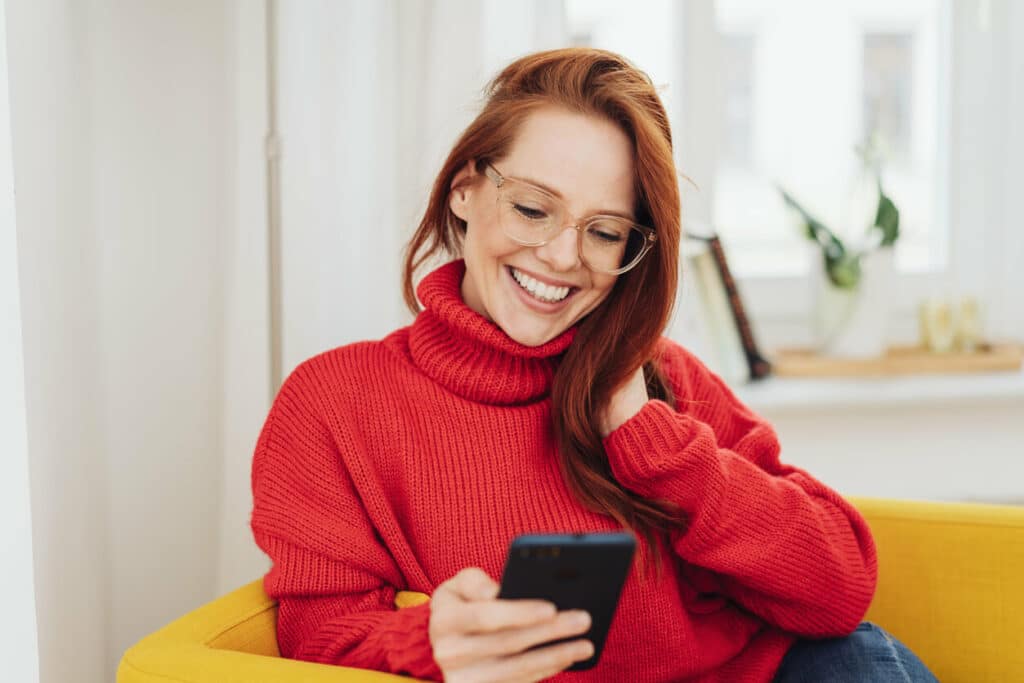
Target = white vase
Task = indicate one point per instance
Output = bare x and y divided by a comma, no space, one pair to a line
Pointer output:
854,323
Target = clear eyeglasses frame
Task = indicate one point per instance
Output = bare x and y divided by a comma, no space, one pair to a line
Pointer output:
533,217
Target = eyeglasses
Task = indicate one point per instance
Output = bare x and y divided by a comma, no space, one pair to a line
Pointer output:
533,217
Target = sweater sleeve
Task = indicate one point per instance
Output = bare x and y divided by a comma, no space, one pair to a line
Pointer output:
774,539
333,579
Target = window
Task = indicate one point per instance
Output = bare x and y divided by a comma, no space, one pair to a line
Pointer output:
640,31
888,89
764,94
802,86
736,143
805,86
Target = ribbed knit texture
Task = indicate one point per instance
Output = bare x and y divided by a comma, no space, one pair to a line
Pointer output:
392,465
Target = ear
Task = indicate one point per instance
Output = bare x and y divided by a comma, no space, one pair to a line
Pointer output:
462,188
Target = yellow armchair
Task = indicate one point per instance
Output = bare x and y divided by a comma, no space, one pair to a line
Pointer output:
950,586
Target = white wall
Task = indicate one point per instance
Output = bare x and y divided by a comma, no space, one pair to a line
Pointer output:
960,452
1006,311
927,438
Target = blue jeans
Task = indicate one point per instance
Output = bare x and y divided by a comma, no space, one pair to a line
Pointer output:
867,654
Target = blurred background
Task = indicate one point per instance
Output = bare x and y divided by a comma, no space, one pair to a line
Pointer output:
199,195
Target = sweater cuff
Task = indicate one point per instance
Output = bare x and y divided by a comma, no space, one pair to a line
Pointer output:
657,453
406,639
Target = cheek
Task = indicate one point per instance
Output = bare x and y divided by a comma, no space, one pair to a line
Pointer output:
600,290
604,284
483,248
479,233
485,242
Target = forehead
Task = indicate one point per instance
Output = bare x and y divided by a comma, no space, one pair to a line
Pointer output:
585,158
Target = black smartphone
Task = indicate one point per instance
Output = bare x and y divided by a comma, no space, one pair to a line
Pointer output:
573,571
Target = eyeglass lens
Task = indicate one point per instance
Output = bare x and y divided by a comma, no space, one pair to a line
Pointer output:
607,243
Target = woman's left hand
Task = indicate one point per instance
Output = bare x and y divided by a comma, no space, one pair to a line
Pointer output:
625,403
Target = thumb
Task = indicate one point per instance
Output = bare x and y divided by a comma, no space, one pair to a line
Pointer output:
475,584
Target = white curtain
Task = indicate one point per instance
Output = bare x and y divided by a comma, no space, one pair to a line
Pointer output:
124,166
371,97
142,261
18,644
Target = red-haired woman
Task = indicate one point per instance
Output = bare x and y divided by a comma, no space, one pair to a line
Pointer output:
534,392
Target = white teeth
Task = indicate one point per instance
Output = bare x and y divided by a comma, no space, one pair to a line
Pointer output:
539,289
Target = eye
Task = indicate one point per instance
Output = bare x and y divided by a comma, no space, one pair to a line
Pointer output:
529,213
609,234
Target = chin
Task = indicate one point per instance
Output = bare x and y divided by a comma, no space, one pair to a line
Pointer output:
530,328
529,335
533,340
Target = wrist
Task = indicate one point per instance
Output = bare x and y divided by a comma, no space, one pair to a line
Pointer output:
620,415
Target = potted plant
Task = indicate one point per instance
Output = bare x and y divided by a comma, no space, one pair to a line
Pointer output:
852,297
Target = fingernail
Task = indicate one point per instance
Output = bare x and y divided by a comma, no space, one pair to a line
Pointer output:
545,611
580,619
586,650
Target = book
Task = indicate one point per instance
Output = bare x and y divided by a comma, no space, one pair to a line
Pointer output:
729,334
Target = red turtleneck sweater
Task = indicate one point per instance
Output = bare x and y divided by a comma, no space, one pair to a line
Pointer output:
392,465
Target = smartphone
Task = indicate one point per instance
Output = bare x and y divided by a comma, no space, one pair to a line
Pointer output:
573,571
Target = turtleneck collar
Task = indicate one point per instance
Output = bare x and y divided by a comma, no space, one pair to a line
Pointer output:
471,356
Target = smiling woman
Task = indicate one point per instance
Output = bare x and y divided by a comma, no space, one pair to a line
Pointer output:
535,393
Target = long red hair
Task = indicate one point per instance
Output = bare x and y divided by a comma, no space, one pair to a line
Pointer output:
621,335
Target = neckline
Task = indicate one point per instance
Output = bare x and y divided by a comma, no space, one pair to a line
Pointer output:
470,355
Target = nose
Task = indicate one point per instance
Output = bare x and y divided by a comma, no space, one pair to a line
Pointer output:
562,252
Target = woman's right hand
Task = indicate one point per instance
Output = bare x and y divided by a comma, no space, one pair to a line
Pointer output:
477,637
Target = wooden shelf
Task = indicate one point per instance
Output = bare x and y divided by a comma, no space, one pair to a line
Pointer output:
899,360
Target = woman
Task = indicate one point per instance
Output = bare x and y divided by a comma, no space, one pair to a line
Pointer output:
534,393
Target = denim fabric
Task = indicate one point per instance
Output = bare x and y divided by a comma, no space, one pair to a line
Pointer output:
867,654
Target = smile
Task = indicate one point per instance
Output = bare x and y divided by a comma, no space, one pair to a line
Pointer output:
539,290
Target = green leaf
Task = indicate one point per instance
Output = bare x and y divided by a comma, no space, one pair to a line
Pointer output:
887,218
809,222
832,247
844,272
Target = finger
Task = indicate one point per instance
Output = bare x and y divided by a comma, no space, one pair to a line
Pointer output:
462,588
488,616
473,583
462,650
491,616
534,665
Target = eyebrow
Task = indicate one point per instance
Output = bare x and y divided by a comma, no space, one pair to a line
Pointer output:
556,193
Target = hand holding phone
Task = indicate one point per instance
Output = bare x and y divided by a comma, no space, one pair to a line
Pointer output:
477,637
575,572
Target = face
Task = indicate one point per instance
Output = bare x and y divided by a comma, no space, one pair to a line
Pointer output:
585,160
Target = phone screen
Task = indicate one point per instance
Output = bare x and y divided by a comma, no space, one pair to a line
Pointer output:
573,571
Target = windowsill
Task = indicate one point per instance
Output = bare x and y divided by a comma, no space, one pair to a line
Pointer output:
826,393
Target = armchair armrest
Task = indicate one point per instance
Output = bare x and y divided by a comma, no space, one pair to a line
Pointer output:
233,640
951,584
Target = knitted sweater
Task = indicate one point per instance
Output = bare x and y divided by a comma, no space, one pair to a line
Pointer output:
391,465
